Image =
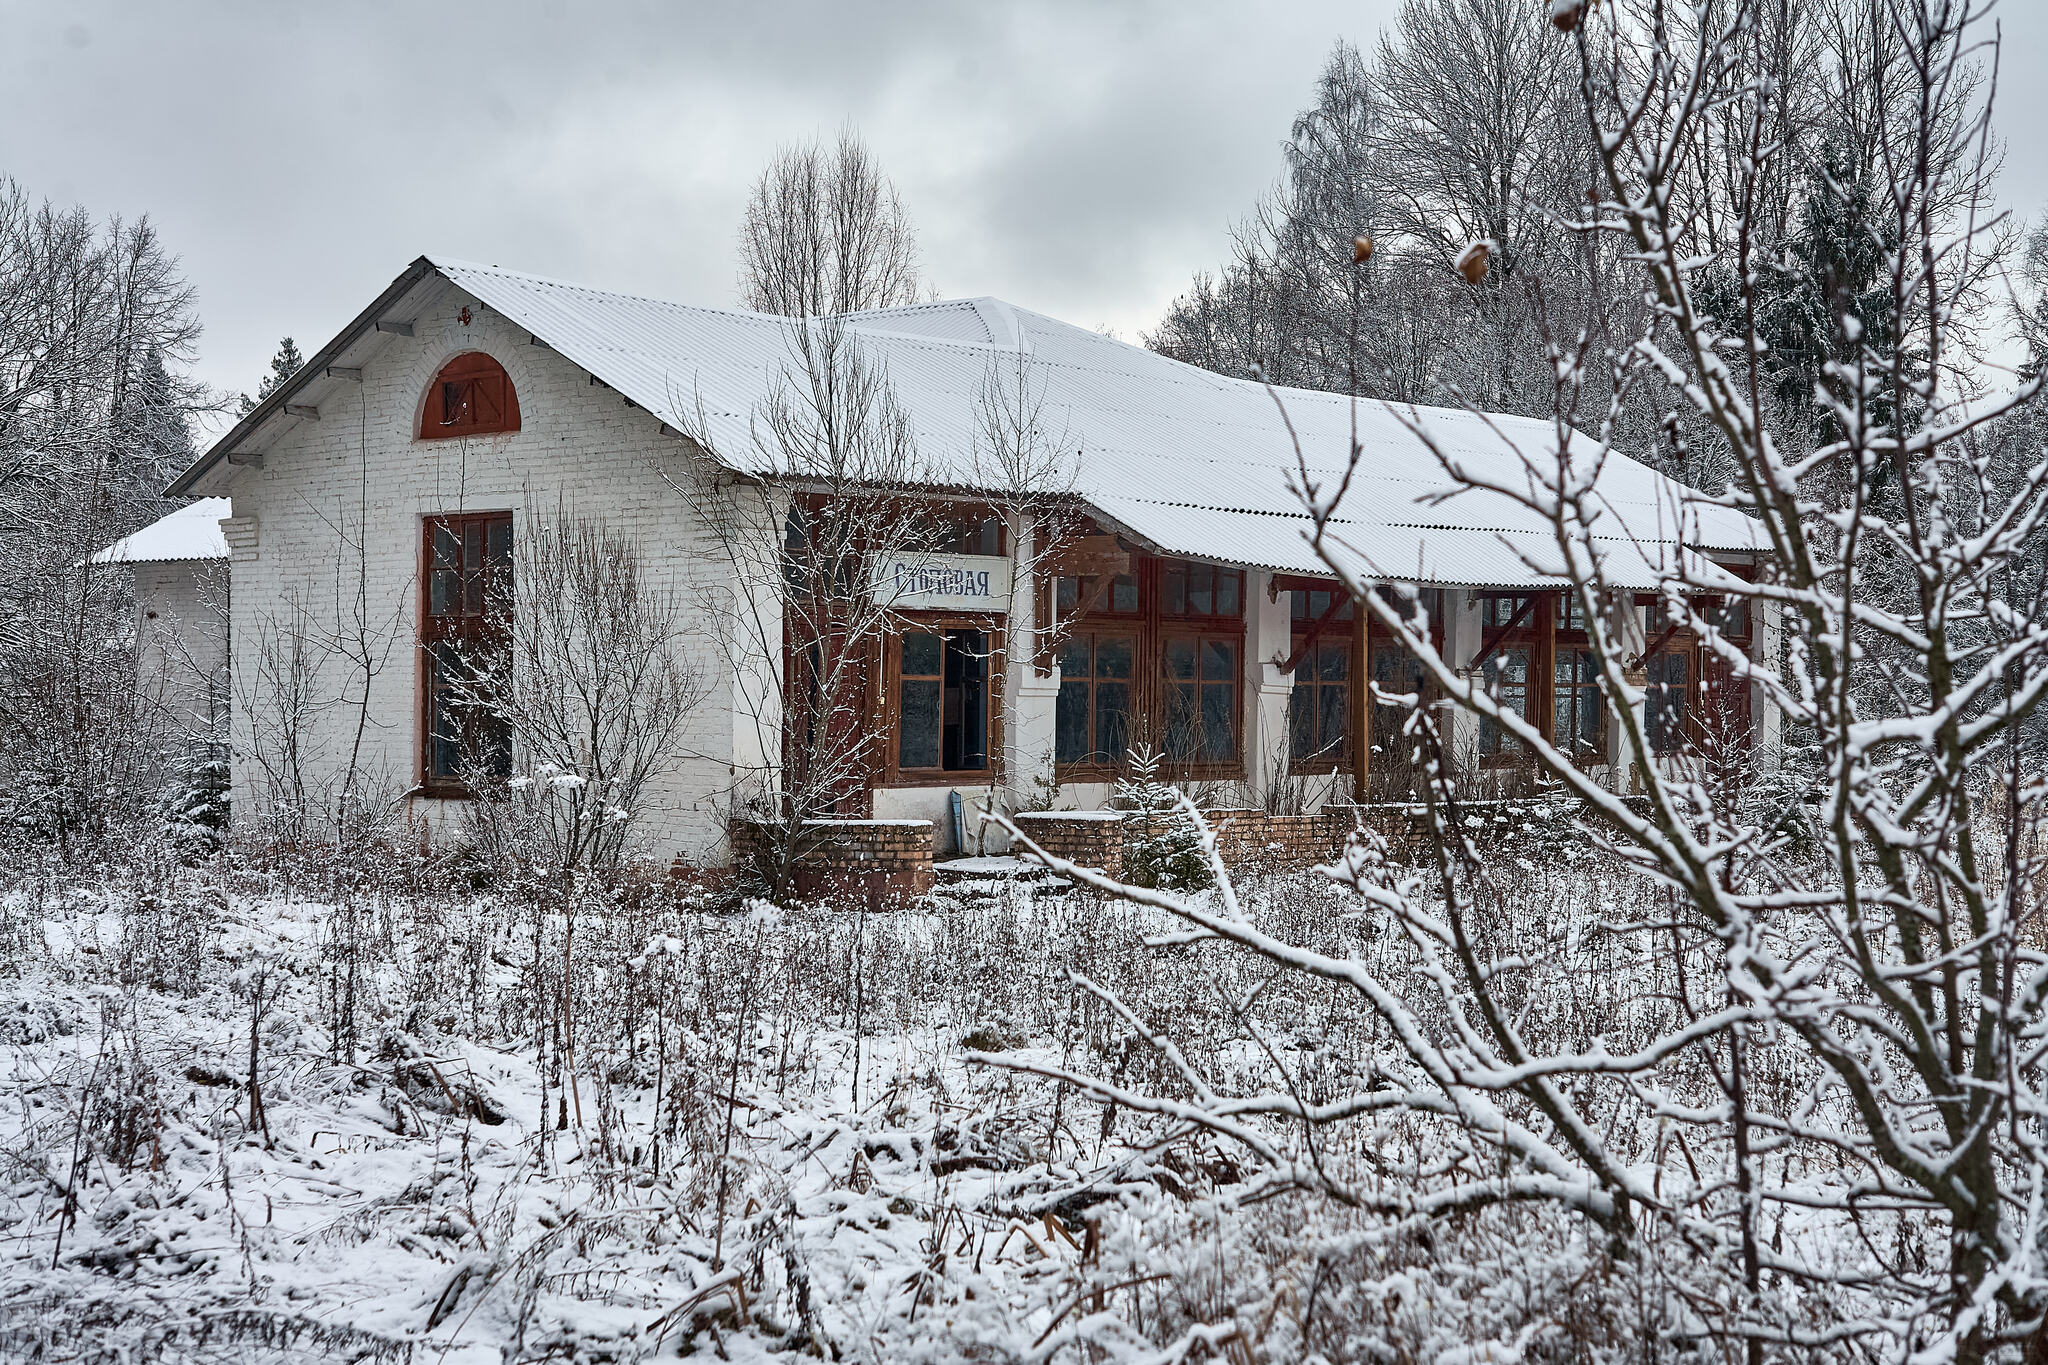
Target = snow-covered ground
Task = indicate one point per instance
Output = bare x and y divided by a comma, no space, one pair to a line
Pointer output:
751,1136
772,1144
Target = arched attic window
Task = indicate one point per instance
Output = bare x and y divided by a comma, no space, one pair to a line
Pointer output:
471,396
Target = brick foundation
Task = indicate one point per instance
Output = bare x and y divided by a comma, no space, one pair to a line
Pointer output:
1253,841
867,863
1090,838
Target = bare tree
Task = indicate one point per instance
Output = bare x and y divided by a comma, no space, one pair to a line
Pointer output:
92,420
825,233
1814,1087
587,676
810,560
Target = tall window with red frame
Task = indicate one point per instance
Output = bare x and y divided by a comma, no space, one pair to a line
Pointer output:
468,572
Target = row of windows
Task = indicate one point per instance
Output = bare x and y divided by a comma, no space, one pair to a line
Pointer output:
944,676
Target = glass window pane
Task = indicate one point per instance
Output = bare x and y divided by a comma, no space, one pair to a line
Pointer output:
444,589
447,546
498,548
1333,659
1123,593
1073,659
473,545
922,653
1219,721
1112,721
1066,594
1301,722
1201,590
1183,721
1070,722
1180,658
1297,604
1113,657
1219,660
1226,592
918,736
1335,712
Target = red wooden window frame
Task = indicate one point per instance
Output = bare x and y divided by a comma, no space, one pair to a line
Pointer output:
1082,689
471,396
465,582
1157,600
894,771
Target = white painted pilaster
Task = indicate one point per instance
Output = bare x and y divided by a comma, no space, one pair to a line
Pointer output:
1268,639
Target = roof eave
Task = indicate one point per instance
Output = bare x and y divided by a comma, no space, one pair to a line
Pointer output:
185,484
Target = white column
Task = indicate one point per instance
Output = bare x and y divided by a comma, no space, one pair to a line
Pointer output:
1029,700
1625,619
1766,721
1268,640
1462,634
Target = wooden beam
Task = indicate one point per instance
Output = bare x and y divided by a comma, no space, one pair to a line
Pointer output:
1308,641
1655,645
1492,639
247,459
397,329
1294,582
305,410
352,373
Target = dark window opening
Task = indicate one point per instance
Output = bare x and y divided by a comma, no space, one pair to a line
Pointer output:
1075,593
972,535
469,587
1578,715
1092,718
943,718
1308,606
1664,715
1200,590
1319,708
1201,679
1506,676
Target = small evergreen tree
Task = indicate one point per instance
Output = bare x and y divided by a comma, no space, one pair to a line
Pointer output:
1162,845
283,366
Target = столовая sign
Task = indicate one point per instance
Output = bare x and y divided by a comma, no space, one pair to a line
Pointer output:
971,582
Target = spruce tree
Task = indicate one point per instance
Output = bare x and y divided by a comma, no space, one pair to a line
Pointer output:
283,366
1162,846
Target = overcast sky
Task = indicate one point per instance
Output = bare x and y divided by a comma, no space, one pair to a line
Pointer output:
1083,160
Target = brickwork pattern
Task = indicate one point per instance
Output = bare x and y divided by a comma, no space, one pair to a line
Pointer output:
1082,837
861,863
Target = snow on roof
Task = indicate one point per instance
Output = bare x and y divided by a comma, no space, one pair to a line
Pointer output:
1190,462
191,532
1193,462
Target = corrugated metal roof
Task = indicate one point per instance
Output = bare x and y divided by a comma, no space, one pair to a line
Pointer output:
191,532
1194,462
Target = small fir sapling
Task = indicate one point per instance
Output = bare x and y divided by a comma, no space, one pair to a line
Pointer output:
1162,844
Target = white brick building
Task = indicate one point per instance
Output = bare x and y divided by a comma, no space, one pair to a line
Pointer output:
464,396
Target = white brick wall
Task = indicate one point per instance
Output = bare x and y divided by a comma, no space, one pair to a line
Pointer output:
357,477
181,638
